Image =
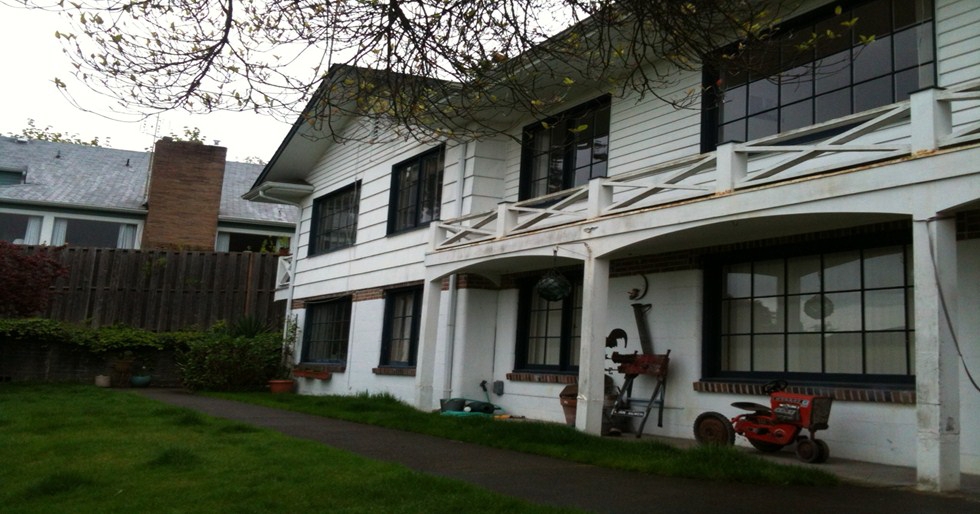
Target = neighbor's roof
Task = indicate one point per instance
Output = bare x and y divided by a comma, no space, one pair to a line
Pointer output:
64,175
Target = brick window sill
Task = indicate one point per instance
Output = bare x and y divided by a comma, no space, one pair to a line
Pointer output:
394,371
544,378
845,394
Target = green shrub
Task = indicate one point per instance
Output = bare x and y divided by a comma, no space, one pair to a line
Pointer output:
37,330
220,361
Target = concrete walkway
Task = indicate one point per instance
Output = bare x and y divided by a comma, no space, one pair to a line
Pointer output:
549,481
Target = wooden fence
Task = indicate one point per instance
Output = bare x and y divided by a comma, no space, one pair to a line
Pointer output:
163,290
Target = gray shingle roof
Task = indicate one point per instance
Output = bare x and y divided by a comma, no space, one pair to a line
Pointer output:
68,175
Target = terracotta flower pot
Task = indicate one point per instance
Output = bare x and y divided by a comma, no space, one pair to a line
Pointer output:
281,386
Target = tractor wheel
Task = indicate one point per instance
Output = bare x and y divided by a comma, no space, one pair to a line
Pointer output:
766,446
714,428
824,451
808,450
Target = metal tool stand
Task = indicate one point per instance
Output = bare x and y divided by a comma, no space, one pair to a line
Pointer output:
633,366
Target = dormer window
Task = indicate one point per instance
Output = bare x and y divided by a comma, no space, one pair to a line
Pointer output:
11,177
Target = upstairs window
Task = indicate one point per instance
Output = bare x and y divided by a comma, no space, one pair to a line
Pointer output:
566,150
334,223
416,191
820,68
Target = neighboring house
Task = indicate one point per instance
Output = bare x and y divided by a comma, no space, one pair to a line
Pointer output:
824,231
182,196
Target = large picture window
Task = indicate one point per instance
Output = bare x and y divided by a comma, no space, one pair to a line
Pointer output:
93,233
844,314
823,67
334,223
416,191
326,333
549,333
20,228
566,150
400,337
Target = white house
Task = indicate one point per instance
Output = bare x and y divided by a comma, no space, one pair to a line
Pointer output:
825,231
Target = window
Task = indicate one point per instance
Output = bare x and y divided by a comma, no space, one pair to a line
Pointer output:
416,191
793,81
11,178
93,233
246,242
20,228
400,338
843,314
334,223
548,333
326,333
566,150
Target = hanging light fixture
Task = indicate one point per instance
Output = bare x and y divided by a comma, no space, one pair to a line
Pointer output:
553,286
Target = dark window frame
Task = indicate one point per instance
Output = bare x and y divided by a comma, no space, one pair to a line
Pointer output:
569,307
801,103
388,334
535,182
12,177
321,238
407,204
321,320
711,368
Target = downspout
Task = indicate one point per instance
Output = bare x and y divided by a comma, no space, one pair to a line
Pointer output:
447,385
293,248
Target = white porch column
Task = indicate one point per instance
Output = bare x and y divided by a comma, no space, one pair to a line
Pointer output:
592,354
425,359
936,366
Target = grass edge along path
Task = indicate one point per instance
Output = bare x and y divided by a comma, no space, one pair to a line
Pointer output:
550,439
81,449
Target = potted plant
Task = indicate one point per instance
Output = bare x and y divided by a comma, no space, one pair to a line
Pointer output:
141,372
103,380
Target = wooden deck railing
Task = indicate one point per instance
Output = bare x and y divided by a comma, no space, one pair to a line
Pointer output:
921,124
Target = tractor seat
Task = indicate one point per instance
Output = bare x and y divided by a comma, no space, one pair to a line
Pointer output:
757,408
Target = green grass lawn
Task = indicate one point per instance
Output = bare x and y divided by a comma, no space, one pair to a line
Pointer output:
80,449
644,455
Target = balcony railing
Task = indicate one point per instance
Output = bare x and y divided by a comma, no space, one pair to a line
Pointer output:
284,272
921,124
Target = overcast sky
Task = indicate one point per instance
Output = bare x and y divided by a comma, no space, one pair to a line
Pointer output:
32,58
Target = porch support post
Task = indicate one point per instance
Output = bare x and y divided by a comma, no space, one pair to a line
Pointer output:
425,359
932,120
732,167
592,352
600,197
936,367
506,219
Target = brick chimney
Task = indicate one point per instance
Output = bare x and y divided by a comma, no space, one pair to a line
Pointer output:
184,196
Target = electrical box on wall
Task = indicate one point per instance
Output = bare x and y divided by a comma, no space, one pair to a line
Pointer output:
498,387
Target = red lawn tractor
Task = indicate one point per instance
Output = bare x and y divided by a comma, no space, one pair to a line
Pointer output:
771,428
